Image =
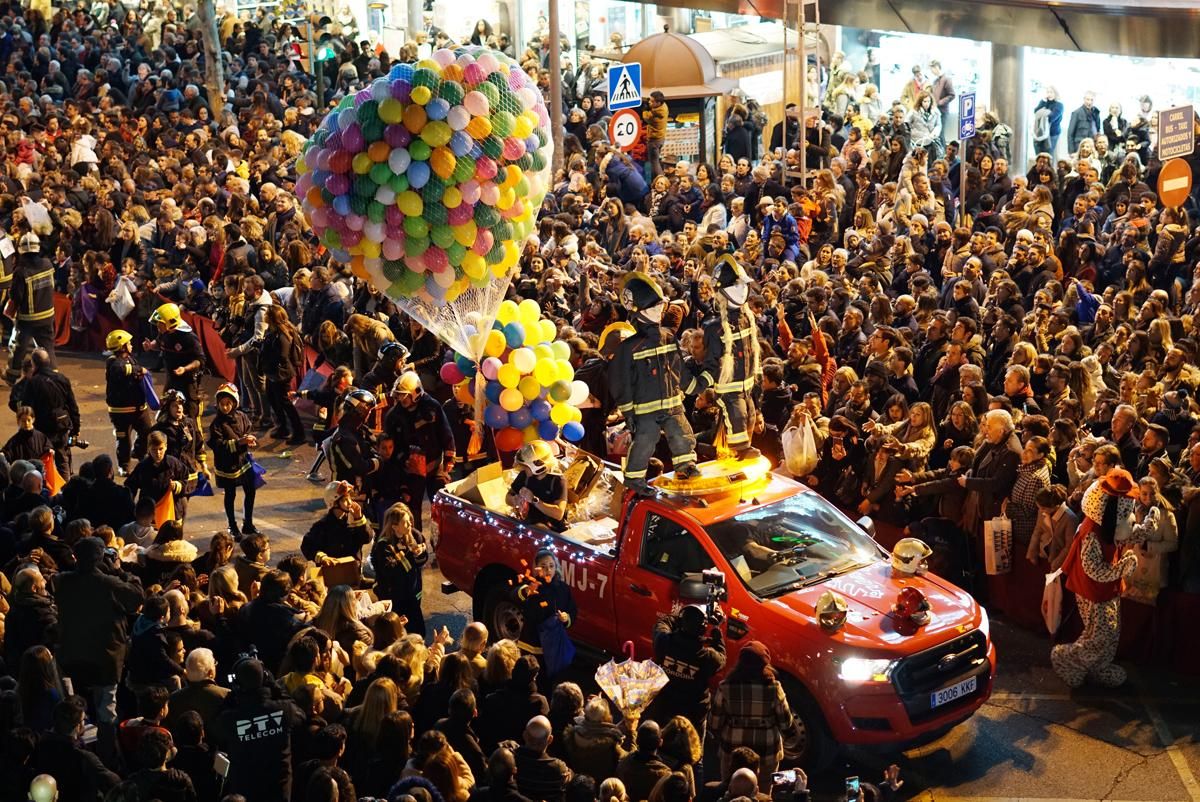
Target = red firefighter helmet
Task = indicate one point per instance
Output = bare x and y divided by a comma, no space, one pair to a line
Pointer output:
911,605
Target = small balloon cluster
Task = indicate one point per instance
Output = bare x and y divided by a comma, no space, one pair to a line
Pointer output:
426,181
526,376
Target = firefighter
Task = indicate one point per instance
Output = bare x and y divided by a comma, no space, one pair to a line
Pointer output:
731,356
691,657
231,436
328,400
33,304
182,355
125,395
183,438
423,439
55,412
594,372
351,453
539,493
390,363
644,378
341,532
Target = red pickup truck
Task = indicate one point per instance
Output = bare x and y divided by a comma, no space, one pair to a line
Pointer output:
873,681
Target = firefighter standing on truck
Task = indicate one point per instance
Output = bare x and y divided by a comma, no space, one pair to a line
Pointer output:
32,302
125,395
731,356
424,442
644,377
182,355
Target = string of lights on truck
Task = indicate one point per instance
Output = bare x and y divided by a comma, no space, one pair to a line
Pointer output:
519,528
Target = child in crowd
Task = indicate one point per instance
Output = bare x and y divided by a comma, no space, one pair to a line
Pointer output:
141,529
231,438
27,442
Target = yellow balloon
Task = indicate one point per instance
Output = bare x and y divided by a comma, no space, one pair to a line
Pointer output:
561,414
391,111
452,198
464,234
499,271
530,433
524,359
574,412
478,341
549,330
561,349
301,167
456,289
544,351
410,203
528,312
508,376
507,198
474,265
507,312
511,400
371,250
495,344
511,254
429,64
421,95
563,370
529,388
546,372
361,163
522,127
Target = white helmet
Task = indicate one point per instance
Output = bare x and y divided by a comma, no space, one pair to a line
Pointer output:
29,243
335,492
536,457
911,556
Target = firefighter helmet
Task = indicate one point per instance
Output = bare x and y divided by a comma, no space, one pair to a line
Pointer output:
392,350
167,316
409,383
911,605
729,273
231,391
613,334
910,556
173,396
336,491
831,610
360,401
117,339
640,292
29,243
536,457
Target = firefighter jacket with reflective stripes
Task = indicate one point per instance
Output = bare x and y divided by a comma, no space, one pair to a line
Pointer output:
183,442
729,351
33,289
644,373
231,459
124,390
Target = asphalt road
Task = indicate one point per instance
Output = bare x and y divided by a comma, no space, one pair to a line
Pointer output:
1034,740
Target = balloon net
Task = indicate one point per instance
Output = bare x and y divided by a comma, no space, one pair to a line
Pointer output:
460,324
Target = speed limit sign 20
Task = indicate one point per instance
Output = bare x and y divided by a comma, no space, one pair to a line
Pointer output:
624,128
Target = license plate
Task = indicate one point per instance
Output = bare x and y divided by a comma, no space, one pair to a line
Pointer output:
956,691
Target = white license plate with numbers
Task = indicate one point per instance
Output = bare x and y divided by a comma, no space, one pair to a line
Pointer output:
957,691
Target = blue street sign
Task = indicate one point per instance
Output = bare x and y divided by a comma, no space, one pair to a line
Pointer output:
966,116
624,86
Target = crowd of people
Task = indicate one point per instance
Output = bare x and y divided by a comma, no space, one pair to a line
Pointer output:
1026,350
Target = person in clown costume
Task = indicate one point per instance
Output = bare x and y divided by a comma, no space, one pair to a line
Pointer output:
1093,573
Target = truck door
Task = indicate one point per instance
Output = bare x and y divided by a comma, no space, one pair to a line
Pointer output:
658,549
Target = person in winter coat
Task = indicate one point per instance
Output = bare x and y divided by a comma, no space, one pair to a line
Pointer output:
167,553
231,437
1155,535
255,731
151,661
504,711
341,532
593,742
630,185
1054,530
27,443
158,474
398,556
751,709
1084,124
281,359
994,471
32,618
543,595
1093,573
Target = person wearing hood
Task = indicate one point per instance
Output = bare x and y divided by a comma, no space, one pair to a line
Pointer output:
594,742
152,661
645,379
167,553
32,618
255,731
732,358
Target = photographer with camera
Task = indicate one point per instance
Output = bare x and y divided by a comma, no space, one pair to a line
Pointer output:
255,731
691,650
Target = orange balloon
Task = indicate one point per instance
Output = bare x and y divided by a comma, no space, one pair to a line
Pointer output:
443,161
314,197
452,73
358,268
414,118
378,151
463,392
479,128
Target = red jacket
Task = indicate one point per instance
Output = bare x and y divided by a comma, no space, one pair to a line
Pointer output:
1078,582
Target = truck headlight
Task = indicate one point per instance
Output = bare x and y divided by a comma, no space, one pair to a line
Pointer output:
861,669
985,626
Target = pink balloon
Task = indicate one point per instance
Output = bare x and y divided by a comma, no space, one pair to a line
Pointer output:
416,263
459,214
352,139
489,193
392,249
311,159
303,184
489,367
483,242
474,74
354,222
393,216
436,260
485,169
320,217
323,159
451,374
513,148
470,192
516,79
338,183
351,238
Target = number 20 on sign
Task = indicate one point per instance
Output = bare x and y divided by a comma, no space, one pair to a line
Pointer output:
624,128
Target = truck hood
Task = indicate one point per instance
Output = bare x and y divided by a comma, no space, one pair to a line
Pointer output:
870,593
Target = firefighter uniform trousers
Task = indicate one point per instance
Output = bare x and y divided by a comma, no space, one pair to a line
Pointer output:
731,368
126,405
645,383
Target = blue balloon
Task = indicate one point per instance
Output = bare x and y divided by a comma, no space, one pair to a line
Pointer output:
492,391
514,335
418,174
403,72
469,329
465,363
320,177
573,431
461,143
531,143
497,325
540,410
495,416
476,151
437,109
341,205
520,418
547,430
340,255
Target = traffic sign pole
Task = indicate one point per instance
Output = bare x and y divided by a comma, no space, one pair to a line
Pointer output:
966,130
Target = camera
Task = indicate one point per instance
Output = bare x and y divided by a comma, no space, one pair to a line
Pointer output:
783,786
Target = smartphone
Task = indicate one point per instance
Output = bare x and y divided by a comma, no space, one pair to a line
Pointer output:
221,764
852,788
784,777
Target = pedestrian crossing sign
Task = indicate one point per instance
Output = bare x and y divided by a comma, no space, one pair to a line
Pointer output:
624,86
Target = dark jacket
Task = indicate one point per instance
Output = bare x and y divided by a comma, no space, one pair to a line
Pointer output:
150,662
256,732
80,774
32,620
93,632
540,777
269,626
207,698
336,537
107,504
993,474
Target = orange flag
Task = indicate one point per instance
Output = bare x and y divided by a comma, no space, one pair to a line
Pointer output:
164,510
54,480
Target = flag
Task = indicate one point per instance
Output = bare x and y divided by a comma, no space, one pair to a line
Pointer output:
164,510
151,393
260,473
203,486
54,480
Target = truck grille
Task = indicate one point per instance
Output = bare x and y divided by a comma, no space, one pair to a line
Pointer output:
916,677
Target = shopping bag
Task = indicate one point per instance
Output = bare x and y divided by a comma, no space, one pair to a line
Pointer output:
260,473
164,510
121,298
53,479
203,486
1052,598
800,450
557,649
151,394
313,380
997,546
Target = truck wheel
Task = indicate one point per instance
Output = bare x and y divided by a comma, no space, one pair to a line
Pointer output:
501,614
811,746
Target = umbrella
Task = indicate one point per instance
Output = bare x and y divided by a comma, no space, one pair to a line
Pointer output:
631,685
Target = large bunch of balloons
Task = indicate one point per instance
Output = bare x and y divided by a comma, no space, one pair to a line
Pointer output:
426,181
526,377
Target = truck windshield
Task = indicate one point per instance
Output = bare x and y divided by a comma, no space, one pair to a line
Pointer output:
791,543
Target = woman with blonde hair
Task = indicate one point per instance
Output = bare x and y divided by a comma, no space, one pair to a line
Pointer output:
399,554
223,585
593,742
339,620
893,447
364,722
613,790
681,749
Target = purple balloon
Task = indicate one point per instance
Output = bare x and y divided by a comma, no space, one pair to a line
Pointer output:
531,144
334,142
323,162
352,139
402,91
362,97
397,136
338,183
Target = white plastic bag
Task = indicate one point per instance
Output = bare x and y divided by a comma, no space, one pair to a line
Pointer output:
121,298
1052,598
997,546
800,452
38,218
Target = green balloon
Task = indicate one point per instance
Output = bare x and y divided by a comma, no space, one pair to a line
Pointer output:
419,150
358,204
373,130
523,187
496,254
376,212
346,102
381,173
416,227
481,282
368,111
526,162
332,238
415,246
490,91
407,284
493,147
486,216
327,196
541,137
398,183
498,80
464,168
436,214
451,92
437,184
431,194
441,235
423,76
502,230
455,253
393,269
364,187
320,137
502,123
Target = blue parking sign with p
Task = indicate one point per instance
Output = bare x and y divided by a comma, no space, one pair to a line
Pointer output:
624,86
966,115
